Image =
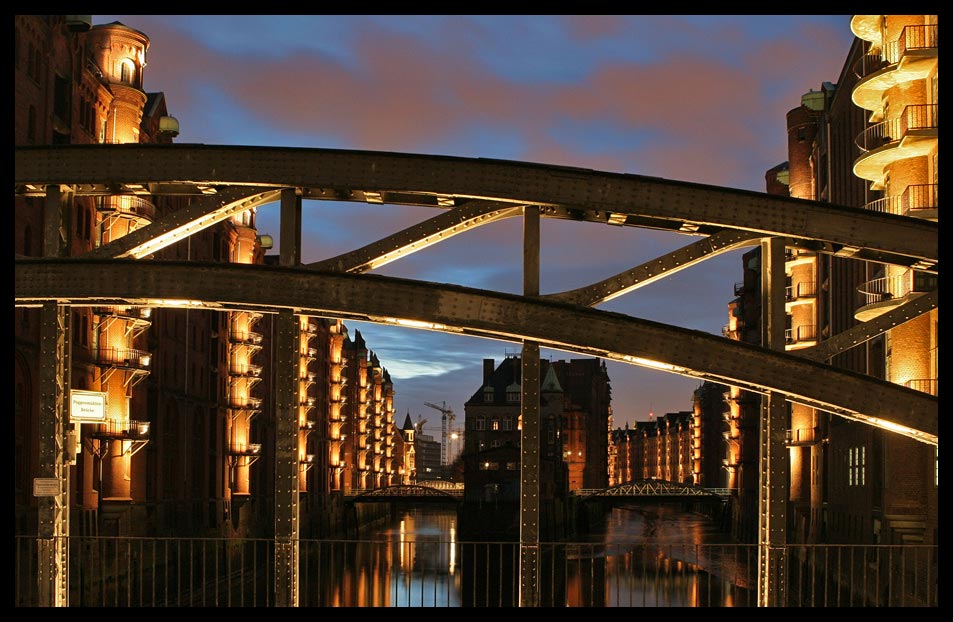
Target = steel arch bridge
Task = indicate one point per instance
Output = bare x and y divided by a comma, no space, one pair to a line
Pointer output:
472,192
650,489
225,181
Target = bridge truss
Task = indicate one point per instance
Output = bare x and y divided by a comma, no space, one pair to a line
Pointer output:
224,181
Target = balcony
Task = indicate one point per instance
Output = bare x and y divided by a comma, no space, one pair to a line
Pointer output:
245,370
243,454
245,336
130,314
925,385
918,201
133,436
125,358
127,206
248,405
802,437
119,429
876,297
799,294
912,134
797,257
913,56
801,336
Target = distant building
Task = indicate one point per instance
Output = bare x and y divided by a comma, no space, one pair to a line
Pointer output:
574,414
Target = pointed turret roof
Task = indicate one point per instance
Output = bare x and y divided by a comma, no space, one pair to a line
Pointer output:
550,383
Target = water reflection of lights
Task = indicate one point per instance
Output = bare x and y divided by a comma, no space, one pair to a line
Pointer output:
453,550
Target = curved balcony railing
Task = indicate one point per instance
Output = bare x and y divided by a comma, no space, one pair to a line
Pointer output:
926,385
127,205
914,117
894,287
872,62
887,205
124,357
913,37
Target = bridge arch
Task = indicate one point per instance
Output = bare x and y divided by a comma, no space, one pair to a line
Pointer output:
650,488
461,310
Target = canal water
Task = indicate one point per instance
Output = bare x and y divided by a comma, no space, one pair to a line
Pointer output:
642,555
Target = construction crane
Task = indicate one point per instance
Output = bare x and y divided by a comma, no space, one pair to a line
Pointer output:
421,422
446,431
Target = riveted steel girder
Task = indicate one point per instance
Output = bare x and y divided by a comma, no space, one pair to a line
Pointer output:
286,462
657,268
495,315
913,308
562,192
421,235
201,213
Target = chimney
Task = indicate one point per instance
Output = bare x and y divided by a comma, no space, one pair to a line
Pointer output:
488,366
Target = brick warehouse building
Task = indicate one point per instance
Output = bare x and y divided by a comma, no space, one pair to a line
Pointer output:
186,447
575,417
869,141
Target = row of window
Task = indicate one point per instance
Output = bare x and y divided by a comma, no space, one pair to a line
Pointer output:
495,466
505,424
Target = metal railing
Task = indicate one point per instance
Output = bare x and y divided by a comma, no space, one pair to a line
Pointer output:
129,205
913,117
927,385
913,37
805,289
893,287
919,197
423,572
805,332
128,357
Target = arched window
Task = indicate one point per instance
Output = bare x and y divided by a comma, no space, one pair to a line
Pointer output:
127,72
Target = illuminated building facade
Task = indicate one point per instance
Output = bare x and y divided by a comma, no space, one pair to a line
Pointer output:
367,458
186,446
660,449
575,411
870,142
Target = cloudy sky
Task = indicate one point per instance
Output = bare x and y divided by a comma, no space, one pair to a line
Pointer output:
691,98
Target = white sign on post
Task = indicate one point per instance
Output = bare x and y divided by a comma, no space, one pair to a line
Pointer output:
87,406
46,486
